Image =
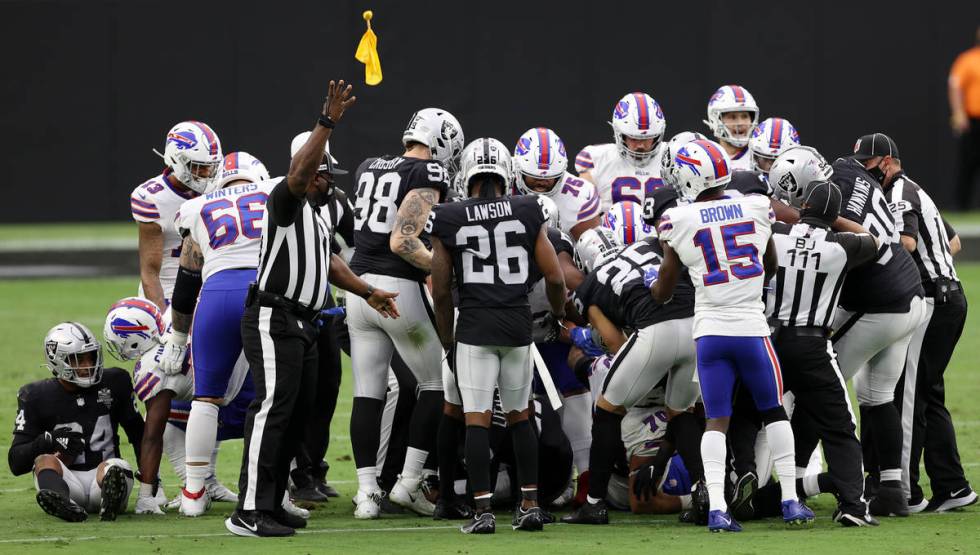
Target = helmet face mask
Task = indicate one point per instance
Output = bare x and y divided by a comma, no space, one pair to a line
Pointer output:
73,354
639,117
731,99
193,152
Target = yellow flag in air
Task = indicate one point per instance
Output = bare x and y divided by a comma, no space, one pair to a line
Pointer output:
367,53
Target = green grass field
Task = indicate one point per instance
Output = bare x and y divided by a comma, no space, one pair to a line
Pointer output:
29,308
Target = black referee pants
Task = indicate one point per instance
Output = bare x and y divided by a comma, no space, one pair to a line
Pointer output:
282,353
932,426
822,411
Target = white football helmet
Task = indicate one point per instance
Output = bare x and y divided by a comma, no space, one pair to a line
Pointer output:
539,154
594,247
550,210
441,132
625,220
133,326
63,346
638,116
699,166
670,150
795,168
769,139
193,152
486,155
242,166
731,98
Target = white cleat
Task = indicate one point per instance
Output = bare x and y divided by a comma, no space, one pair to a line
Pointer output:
367,506
219,493
289,507
194,504
408,493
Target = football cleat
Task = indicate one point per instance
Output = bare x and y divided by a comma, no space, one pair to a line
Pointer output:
721,521
889,501
796,513
409,494
327,489
590,513
368,505
452,510
918,507
56,504
699,504
304,487
218,493
741,506
289,507
194,503
286,518
256,524
115,491
530,520
848,520
566,497
483,523
954,500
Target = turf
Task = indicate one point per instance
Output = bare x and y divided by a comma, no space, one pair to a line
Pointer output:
29,308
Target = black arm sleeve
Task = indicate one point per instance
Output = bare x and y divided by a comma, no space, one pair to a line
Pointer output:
29,439
859,247
282,206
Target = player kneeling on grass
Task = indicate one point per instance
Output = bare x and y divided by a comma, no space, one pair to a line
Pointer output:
65,429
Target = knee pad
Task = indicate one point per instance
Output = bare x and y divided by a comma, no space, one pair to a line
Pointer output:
774,414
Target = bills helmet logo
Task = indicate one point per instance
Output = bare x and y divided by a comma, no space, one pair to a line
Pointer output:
622,110
759,130
182,139
658,110
684,159
124,328
523,146
717,96
794,135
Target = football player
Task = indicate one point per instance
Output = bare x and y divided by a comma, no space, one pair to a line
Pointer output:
627,168
625,219
66,429
540,164
770,139
730,328
732,116
395,195
491,245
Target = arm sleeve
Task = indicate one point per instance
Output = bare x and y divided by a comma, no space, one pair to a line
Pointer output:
26,444
583,161
860,248
282,206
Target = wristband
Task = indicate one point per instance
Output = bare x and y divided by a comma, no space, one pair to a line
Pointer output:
325,121
370,291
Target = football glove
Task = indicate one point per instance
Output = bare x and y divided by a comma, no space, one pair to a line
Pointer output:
650,276
66,441
645,480
582,338
147,505
174,353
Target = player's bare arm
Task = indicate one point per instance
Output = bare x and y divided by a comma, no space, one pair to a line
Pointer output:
843,224
770,260
409,223
379,299
547,261
151,447
442,281
612,336
784,212
955,246
192,260
151,259
670,271
302,168
582,227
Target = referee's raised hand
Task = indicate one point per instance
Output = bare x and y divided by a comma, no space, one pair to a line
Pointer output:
338,100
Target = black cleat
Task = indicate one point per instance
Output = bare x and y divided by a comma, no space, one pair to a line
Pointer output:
327,489
547,517
530,520
589,513
256,524
56,504
452,510
115,491
741,507
483,523
699,504
848,520
953,500
686,516
890,501
285,518
310,494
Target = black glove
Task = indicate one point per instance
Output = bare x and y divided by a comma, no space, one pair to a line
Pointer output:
646,479
67,441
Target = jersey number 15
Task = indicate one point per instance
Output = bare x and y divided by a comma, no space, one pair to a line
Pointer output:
717,275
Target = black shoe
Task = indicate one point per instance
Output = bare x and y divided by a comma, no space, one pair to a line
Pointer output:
389,508
953,500
686,516
327,489
56,504
529,520
547,517
890,501
849,520
741,507
589,513
310,494
452,510
699,504
256,524
114,492
483,523
285,518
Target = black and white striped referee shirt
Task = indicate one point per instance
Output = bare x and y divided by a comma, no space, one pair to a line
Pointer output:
295,257
916,216
812,264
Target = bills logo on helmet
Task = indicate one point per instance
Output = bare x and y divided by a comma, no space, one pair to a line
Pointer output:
622,110
794,135
523,146
182,140
759,130
684,158
657,109
716,97
124,328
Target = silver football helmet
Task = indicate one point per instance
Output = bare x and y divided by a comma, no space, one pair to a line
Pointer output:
441,132
486,155
794,169
595,247
64,349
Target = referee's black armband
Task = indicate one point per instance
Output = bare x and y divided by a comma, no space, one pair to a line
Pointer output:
186,288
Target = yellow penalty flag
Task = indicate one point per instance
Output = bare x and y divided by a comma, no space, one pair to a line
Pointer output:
367,53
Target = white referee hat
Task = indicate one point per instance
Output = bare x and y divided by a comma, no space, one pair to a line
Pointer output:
332,166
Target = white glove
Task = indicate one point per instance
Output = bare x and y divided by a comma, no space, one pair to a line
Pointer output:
147,504
174,353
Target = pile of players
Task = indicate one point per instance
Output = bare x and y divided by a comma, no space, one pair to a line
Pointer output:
621,308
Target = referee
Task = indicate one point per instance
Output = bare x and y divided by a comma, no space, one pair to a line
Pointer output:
921,396
813,261
279,330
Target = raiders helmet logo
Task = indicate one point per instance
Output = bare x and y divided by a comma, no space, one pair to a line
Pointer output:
448,131
51,348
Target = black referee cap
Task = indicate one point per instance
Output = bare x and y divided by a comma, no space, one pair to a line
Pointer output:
875,144
821,199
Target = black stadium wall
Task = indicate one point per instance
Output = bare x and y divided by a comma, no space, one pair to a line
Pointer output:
90,87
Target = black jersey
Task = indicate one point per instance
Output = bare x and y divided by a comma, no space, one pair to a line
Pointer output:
382,184
491,242
663,198
889,283
96,412
618,290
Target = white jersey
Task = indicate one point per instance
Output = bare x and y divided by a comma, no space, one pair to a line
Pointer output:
741,160
227,225
616,178
157,202
722,243
577,200
149,379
